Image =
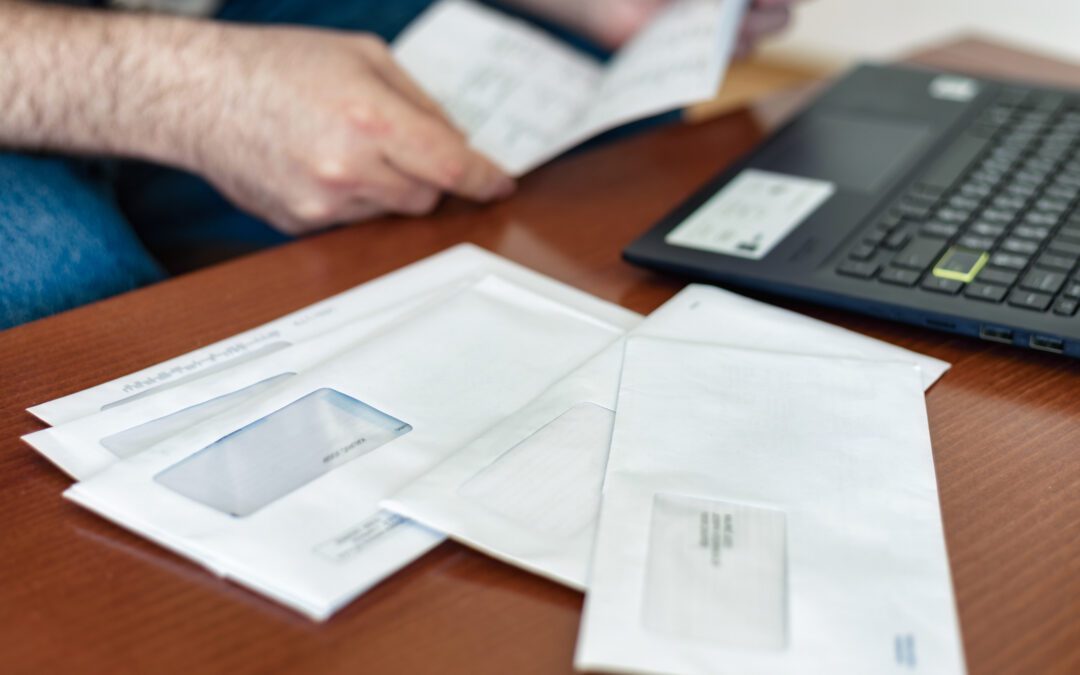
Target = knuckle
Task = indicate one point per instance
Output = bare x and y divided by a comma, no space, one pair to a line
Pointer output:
312,210
330,171
369,119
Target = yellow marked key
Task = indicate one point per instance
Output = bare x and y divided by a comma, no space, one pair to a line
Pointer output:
961,264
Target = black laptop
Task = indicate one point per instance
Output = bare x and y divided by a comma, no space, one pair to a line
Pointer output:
921,196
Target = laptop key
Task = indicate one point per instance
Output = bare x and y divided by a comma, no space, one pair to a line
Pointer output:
1040,219
1056,262
939,285
976,243
1063,192
1007,202
1068,233
992,275
899,276
875,236
1072,290
985,292
998,216
984,229
919,254
951,215
964,203
1021,246
976,189
858,269
1043,281
896,240
862,251
941,230
961,264
1009,261
1064,248
1066,306
1032,233
1030,300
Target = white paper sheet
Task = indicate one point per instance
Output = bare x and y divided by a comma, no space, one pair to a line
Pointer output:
528,490
447,374
387,293
750,463
523,97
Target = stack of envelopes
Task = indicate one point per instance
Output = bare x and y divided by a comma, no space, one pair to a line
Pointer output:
737,488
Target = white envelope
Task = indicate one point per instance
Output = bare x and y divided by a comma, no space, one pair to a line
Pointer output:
768,513
281,493
528,490
464,262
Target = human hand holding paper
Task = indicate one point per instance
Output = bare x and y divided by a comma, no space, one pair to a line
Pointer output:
522,97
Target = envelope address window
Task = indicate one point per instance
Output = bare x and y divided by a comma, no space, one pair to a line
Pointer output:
550,482
277,454
716,572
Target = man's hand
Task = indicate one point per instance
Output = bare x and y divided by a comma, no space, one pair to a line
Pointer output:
303,128
320,127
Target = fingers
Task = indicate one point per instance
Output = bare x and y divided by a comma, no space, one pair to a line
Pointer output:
424,148
366,176
359,210
394,192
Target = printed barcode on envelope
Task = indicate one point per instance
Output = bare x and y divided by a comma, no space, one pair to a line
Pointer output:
716,572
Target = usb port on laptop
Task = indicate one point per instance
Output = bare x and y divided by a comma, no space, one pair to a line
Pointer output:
996,334
1047,343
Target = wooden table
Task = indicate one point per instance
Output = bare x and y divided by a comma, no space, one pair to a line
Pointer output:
77,593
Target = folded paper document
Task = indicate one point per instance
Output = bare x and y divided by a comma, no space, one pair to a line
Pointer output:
528,490
768,513
523,97
272,492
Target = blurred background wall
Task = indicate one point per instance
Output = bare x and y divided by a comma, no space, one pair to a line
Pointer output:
829,35
833,33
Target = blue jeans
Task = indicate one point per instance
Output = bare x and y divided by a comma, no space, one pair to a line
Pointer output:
73,230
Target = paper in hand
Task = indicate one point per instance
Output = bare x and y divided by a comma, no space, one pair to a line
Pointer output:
523,97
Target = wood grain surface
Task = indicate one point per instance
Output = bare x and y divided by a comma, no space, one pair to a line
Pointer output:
78,594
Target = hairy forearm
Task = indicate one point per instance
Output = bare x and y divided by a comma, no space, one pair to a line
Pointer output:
87,81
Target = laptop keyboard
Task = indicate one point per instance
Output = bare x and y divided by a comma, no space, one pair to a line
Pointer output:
995,218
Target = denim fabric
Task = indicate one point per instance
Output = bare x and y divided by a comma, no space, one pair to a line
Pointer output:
63,242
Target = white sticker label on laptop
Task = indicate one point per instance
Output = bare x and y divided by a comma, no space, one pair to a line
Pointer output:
751,214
